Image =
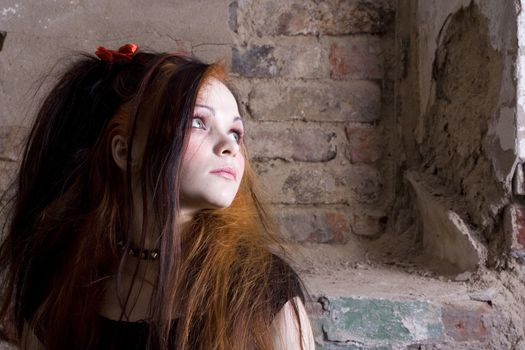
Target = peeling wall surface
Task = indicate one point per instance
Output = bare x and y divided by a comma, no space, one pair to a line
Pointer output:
466,78
461,155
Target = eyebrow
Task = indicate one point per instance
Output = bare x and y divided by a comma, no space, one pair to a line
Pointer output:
213,113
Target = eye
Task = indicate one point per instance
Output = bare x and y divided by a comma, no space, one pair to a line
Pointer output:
198,123
238,135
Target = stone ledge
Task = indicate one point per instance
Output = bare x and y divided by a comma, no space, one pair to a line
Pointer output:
367,323
378,308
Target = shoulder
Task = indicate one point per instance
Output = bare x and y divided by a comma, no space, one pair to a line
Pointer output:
291,328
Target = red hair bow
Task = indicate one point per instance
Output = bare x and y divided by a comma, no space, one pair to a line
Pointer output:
124,53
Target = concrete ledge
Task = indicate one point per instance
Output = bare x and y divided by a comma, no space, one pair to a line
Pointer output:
363,320
382,309
367,323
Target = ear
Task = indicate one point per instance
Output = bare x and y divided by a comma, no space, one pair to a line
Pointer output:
119,150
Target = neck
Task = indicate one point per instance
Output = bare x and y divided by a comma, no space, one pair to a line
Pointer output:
185,218
150,251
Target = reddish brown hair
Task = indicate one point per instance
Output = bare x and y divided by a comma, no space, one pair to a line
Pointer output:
73,205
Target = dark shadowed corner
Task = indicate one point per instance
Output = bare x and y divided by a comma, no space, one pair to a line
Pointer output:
2,39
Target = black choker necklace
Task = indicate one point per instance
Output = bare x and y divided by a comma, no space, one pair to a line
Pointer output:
145,254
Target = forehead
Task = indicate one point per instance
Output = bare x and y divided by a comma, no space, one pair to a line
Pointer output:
217,95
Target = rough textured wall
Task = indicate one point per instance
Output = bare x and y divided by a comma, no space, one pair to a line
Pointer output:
467,72
458,133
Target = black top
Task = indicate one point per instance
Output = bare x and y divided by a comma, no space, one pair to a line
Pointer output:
122,334
133,335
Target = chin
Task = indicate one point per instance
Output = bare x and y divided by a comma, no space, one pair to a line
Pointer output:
220,199
208,200
221,205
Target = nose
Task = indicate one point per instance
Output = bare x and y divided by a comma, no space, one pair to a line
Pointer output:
226,146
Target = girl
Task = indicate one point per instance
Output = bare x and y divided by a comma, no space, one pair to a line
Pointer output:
136,222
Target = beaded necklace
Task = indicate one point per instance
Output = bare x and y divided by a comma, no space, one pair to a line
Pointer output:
144,254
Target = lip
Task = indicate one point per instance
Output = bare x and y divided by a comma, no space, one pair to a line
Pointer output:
227,172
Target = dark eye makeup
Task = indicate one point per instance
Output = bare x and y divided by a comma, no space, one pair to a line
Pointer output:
204,121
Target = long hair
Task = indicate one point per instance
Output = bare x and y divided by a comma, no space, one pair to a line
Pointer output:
73,205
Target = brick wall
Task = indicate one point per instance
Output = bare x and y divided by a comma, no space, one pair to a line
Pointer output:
312,79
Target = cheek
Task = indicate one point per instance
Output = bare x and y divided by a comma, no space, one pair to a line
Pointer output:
240,165
192,152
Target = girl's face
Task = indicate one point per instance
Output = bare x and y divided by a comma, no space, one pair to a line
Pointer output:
213,165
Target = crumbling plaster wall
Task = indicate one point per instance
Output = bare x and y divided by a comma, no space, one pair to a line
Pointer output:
459,111
460,130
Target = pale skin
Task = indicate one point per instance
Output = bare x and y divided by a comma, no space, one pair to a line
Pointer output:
213,144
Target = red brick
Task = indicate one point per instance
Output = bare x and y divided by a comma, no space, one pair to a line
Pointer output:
308,142
356,57
467,321
314,225
315,100
368,225
364,145
337,224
